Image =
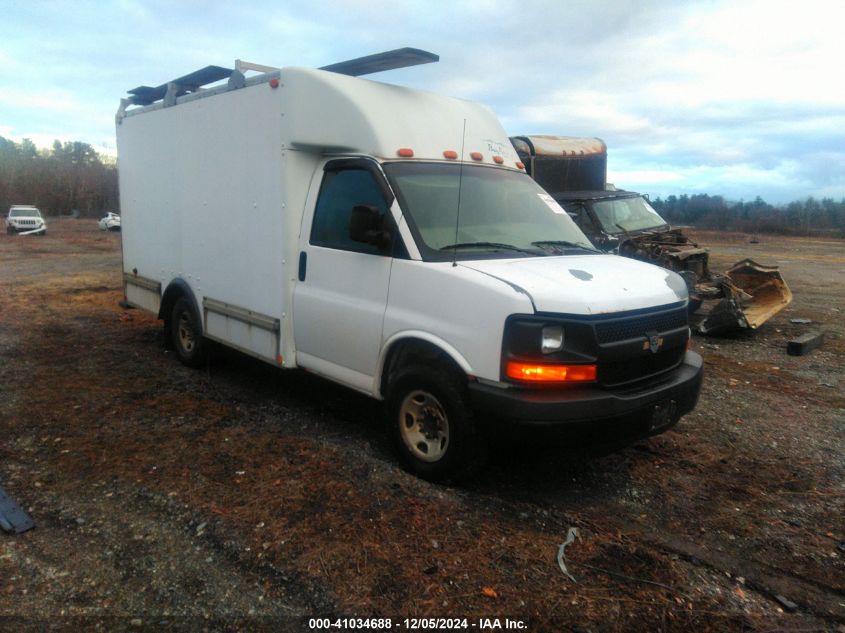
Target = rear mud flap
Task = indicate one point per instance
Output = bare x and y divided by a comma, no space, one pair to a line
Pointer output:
751,295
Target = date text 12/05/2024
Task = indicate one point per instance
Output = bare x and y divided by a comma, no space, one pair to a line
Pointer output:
417,624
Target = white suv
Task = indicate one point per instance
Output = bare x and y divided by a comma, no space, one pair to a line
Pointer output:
26,220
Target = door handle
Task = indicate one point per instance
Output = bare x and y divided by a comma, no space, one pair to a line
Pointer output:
303,260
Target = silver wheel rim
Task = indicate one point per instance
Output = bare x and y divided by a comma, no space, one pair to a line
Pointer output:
424,426
186,333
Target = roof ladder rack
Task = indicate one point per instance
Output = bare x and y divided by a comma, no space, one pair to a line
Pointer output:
389,60
242,66
168,92
192,82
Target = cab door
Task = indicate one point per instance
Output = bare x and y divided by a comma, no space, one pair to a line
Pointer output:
341,294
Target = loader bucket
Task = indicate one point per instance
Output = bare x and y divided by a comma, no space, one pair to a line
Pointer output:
752,294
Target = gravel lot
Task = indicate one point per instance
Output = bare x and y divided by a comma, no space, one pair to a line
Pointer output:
242,497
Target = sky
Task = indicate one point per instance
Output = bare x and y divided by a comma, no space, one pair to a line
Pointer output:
737,98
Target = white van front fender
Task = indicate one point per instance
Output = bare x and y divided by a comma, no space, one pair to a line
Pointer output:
416,335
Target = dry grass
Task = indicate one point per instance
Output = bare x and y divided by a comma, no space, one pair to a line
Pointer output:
264,460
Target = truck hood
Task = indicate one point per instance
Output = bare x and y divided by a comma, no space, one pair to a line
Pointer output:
586,284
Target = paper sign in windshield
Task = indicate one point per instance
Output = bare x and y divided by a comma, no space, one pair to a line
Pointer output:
551,203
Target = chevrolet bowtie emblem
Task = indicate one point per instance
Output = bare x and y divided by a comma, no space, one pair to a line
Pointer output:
653,342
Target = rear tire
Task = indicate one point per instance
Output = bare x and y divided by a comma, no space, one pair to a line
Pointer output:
430,424
186,334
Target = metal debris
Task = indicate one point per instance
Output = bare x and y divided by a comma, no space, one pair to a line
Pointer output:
800,321
786,603
561,555
38,231
12,517
804,344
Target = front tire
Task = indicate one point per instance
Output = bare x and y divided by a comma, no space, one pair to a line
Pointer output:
186,334
431,427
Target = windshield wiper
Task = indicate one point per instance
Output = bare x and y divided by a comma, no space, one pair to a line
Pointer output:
564,243
645,231
490,245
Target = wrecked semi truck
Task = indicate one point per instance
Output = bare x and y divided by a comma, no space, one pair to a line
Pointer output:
574,171
389,240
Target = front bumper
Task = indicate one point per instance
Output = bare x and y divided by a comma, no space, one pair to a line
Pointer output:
675,391
28,230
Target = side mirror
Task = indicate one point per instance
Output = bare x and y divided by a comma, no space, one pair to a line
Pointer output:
365,225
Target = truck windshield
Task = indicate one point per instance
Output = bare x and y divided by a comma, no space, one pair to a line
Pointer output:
502,213
24,213
627,214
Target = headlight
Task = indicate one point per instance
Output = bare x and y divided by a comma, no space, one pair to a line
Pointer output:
546,348
552,339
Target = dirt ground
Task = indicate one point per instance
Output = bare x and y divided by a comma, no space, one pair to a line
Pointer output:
242,497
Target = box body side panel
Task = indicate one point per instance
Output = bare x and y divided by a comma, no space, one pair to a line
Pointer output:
202,200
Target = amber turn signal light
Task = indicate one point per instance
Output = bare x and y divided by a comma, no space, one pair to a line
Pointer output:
530,372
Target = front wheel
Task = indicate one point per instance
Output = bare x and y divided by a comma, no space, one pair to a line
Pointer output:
431,427
186,334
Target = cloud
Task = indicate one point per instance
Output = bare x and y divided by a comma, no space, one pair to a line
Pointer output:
588,110
720,94
56,101
738,180
645,178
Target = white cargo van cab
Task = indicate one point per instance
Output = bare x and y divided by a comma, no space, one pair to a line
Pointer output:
389,240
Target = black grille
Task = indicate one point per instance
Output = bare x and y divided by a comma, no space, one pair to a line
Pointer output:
638,368
635,327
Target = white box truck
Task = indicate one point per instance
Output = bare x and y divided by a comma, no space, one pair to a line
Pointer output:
389,240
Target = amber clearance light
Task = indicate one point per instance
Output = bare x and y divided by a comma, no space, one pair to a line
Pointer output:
551,373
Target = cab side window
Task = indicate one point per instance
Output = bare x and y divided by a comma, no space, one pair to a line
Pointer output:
341,190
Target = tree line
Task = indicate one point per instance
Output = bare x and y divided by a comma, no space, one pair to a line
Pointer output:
68,177
72,176
804,217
